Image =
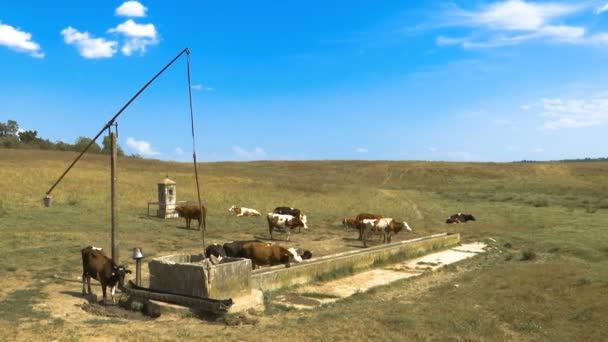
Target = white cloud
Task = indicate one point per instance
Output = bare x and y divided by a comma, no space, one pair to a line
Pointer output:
136,45
524,107
179,151
537,150
574,113
201,87
601,9
256,153
142,147
88,46
20,41
460,155
131,9
512,22
361,150
132,29
138,36
519,15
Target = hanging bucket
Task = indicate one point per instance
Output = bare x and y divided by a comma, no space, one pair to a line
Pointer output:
47,200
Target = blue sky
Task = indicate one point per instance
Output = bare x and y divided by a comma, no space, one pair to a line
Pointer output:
402,80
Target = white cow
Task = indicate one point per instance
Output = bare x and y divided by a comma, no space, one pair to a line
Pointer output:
240,211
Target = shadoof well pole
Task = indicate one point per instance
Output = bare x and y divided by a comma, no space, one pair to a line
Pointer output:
113,182
114,153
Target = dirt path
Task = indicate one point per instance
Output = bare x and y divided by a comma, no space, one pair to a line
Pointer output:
391,193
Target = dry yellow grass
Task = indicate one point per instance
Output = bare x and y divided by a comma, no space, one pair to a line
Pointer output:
556,210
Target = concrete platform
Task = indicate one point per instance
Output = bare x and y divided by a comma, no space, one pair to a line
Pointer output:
253,301
309,297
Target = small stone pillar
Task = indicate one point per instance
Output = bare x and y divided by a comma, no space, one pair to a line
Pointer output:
167,198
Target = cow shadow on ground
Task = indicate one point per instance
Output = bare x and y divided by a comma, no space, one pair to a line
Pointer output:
350,241
80,295
265,238
186,228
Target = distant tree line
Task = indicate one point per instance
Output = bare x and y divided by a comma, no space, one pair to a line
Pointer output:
580,160
12,137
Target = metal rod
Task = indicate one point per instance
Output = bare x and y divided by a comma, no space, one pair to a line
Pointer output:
107,125
114,176
138,272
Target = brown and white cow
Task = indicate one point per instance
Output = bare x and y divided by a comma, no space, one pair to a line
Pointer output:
365,216
384,227
284,222
393,228
97,265
190,212
349,222
293,212
241,211
268,254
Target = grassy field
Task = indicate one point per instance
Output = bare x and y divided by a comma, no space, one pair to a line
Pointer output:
549,281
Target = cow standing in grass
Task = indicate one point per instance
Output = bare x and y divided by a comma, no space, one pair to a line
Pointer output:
365,216
385,227
97,265
190,212
284,222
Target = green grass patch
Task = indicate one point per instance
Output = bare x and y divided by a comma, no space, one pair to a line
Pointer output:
318,295
101,321
19,305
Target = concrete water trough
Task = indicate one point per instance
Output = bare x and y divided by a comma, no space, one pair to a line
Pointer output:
192,275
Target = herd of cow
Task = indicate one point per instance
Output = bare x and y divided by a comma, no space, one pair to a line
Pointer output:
99,266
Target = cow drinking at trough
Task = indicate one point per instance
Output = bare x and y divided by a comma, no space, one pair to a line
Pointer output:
240,211
216,250
284,222
190,212
97,265
233,249
267,254
460,217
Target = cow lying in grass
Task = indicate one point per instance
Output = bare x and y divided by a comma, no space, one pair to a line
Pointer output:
386,227
460,217
97,265
190,212
240,211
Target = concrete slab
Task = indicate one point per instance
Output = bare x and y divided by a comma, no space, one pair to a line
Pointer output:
309,297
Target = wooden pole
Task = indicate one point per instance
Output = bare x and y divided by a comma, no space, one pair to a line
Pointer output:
114,159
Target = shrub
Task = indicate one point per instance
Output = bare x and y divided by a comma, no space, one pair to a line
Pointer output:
583,281
527,255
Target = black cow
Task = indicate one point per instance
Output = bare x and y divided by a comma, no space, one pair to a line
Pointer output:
216,250
234,249
460,217
287,211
